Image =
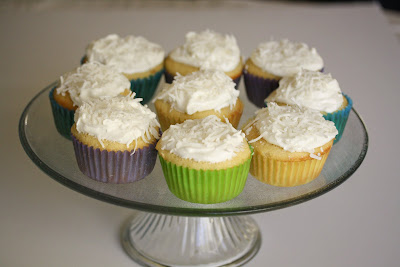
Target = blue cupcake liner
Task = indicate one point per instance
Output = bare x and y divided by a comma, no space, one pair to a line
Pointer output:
114,167
169,78
145,87
83,60
258,88
63,118
340,118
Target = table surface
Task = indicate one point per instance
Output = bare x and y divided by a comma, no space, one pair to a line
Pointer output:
357,224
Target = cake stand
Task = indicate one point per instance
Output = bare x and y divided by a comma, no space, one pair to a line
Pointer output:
168,231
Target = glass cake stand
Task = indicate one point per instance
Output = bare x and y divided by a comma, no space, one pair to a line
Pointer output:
171,232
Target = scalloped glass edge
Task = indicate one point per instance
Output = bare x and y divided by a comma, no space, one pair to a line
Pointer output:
181,211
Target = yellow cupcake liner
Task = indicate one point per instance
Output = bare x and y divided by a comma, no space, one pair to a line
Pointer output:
167,119
286,173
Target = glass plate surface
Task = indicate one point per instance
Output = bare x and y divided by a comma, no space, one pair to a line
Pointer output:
54,154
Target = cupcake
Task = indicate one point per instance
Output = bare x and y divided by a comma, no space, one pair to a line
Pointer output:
140,60
198,95
114,139
315,90
204,160
85,83
291,144
271,61
205,50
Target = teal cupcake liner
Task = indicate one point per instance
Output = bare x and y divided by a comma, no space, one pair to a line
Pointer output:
340,118
205,186
145,87
63,118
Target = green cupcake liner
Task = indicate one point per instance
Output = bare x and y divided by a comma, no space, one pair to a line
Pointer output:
145,87
340,118
205,186
63,118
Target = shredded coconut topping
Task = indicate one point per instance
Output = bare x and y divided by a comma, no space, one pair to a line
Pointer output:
208,50
206,139
293,128
131,54
199,91
311,89
120,119
92,81
284,58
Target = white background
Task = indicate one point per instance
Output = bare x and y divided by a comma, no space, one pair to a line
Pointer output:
43,223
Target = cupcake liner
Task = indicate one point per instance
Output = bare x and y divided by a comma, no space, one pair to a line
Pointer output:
169,78
340,118
167,118
83,60
63,118
237,81
285,173
114,167
145,87
258,88
205,186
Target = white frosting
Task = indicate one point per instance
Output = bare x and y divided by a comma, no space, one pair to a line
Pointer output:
208,50
311,89
283,58
206,139
199,91
128,55
293,128
92,81
120,119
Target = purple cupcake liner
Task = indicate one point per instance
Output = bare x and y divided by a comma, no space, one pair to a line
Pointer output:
114,167
237,81
258,88
169,78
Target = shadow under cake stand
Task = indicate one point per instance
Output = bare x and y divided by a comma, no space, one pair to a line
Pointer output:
168,231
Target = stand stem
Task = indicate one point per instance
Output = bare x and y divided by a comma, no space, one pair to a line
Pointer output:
163,240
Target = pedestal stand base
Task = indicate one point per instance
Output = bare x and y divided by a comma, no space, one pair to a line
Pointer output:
163,240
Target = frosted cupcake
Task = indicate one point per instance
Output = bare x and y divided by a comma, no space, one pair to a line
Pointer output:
271,61
114,139
140,60
291,144
205,50
198,95
315,90
204,160
86,83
